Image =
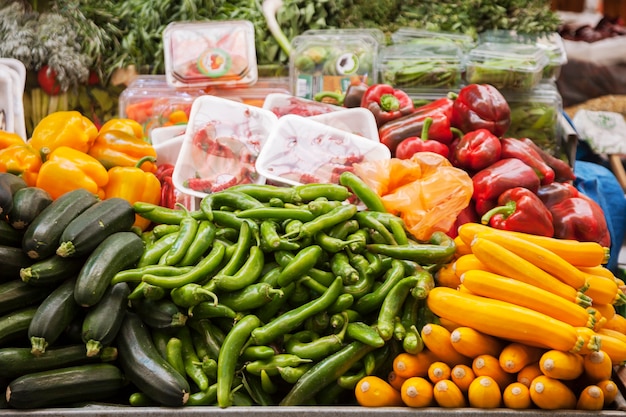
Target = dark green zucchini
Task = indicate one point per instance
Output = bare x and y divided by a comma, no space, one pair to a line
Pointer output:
28,203
53,315
144,366
159,314
17,294
118,251
10,236
14,325
95,224
51,270
9,184
103,321
13,260
65,386
18,361
42,236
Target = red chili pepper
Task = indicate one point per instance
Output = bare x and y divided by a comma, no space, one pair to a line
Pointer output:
412,145
386,103
477,150
520,210
498,177
481,106
562,170
515,148
582,219
556,192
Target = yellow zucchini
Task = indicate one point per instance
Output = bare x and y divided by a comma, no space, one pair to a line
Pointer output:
504,262
515,356
528,373
407,365
437,371
599,270
609,389
591,398
516,396
437,339
471,343
484,392
467,263
448,395
561,365
395,380
446,277
604,310
551,394
373,391
573,251
462,248
541,257
602,290
417,392
488,365
462,376
613,345
499,287
503,320
591,340
617,323
598,366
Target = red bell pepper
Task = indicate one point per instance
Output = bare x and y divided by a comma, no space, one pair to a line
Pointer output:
481,106
515,148
410,146
477,150
498,177
556,192
394,132
580,218
467,215
386,103
562,170
520,210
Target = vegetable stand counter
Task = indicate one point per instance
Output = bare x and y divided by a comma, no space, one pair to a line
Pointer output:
257,411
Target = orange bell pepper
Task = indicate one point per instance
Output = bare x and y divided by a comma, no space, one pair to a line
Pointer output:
67,169
9,138
130,126
120,148
63,128
134,184
21,160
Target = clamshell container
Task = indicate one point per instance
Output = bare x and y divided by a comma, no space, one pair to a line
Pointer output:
282,104
301,150
330,60
357,120
408,34
421,63
505,65
221,144
210,53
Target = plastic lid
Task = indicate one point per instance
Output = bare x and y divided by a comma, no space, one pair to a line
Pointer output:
550,42
210,53
511,56
282,104
465,42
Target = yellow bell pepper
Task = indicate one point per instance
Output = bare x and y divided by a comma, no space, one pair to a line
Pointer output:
67,169
120,148
134,184
22,160
63,128
130,126
9,138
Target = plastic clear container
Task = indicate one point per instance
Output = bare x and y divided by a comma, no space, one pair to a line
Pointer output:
421,63
282,104
505,65
535,115
253,95
210,53
357,120
408,34
329,60
550,42
301,150
221,144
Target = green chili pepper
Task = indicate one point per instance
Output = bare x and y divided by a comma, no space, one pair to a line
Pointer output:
342,230
324,373
308,345
160,338
204,268
175,355
321,206
233,199
272,364
271,240
207,397
147,291
364,333
410,311
300,265
425,283
399,331
349,381
310,192
254,388
341,267
440,249
136,274
327,221
368,220
210,310
161,230
242,248
189,295
229,355
153,253
271,309
312,284
412,342
250,297
392,305
163,215
191,361
267,385
248,274
227,233
206,336
260,352
318,322
209,367
362,191
331,244
291,374
343,302
290,320
140,399
202,242
276,213
374,299
266,192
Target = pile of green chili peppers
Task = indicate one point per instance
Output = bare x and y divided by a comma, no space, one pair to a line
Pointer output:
271,295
